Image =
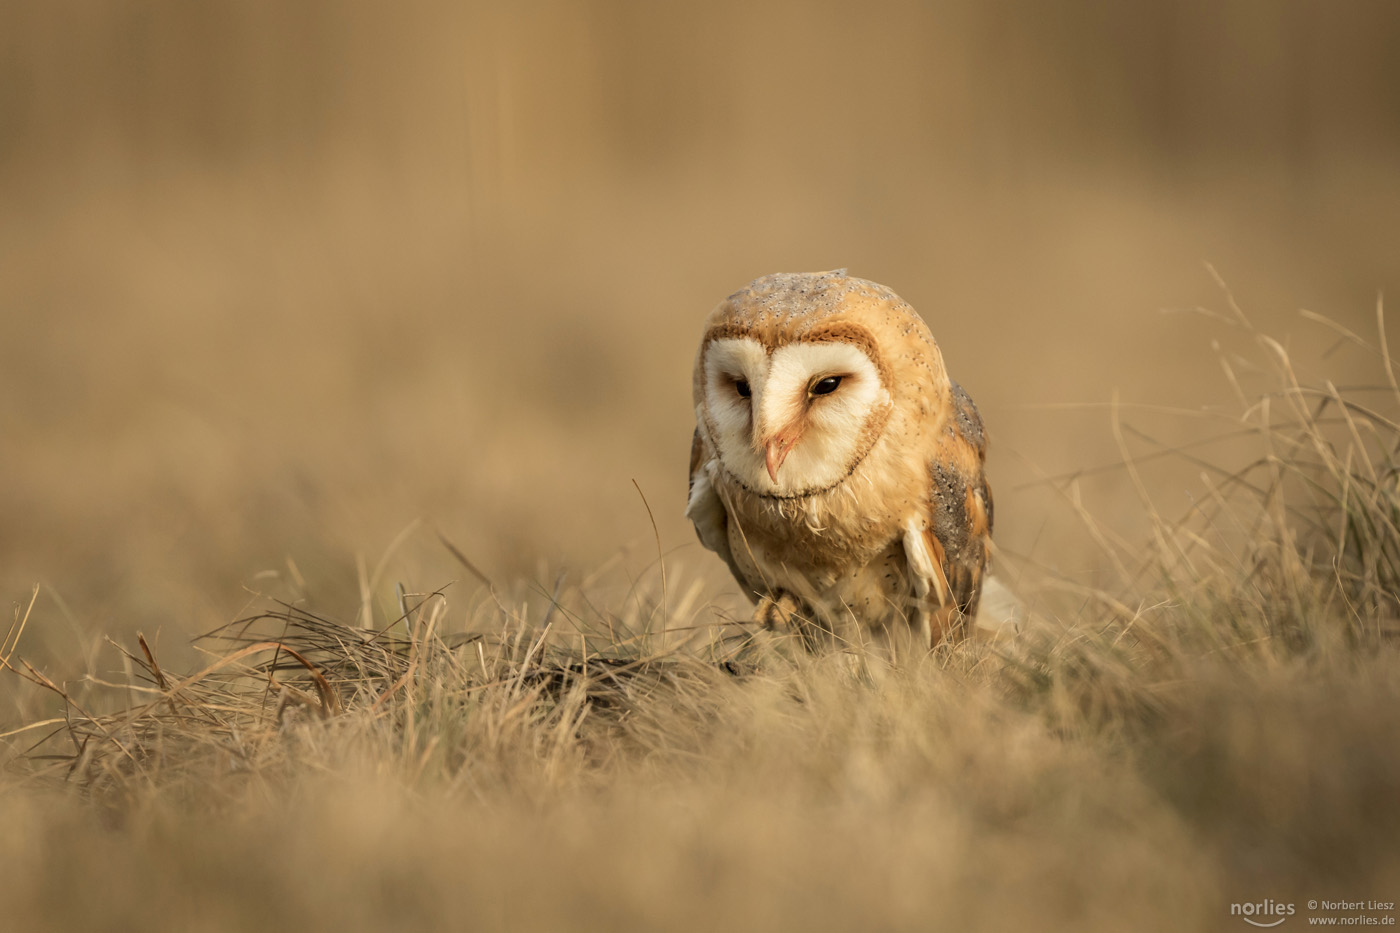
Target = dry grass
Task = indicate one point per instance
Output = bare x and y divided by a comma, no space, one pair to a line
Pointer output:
278,280
1219,727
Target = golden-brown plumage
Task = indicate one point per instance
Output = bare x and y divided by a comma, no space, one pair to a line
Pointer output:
835,467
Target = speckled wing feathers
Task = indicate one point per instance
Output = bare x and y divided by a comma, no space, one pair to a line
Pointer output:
960,520
707,512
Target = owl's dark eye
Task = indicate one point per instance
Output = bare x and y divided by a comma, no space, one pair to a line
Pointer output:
742,388
826,386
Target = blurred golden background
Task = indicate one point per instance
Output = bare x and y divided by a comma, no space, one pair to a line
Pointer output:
278,279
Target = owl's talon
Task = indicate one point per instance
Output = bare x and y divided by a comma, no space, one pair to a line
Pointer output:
777,613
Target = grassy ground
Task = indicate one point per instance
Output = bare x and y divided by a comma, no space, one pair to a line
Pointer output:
288,288
1216,727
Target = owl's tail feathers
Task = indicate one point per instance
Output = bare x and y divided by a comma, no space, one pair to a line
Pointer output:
1001,614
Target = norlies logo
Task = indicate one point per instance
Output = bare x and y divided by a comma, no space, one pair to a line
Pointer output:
1265,911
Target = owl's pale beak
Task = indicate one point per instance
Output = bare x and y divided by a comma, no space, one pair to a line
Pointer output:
776,450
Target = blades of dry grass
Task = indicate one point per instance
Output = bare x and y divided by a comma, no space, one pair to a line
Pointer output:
665,595
462,559
16,630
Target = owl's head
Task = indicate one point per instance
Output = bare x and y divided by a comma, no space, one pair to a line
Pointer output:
793,382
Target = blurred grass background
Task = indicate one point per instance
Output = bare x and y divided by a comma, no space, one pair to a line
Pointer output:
278,279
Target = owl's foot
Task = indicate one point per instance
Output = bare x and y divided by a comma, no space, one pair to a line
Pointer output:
786,613
778,614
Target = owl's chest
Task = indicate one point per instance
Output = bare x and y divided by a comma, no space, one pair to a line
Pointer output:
841,564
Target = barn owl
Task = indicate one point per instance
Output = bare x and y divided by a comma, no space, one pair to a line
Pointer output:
835,467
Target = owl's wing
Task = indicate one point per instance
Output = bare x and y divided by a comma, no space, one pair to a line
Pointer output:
949,555
706,511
